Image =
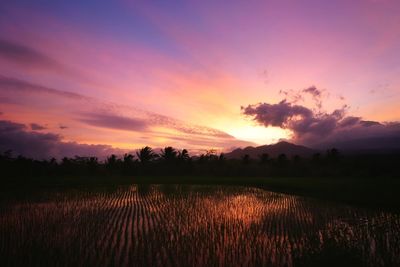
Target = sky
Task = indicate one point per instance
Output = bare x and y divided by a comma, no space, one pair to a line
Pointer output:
105,76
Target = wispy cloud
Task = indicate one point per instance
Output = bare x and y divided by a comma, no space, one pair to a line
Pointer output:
17,138
114,122
21,54
12,84
85,114
37,127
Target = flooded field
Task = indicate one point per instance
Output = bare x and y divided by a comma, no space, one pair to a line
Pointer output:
180,225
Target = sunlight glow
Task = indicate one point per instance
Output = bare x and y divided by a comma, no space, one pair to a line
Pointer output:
259,134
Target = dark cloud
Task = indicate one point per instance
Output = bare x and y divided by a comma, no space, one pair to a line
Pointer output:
312,90
316,95
25,55
15,137
112,121
8,126
292,96
302,121
369,123
62,127
313,127
279,115
349,121
37,127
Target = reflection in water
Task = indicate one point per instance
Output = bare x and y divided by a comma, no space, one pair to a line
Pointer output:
172,225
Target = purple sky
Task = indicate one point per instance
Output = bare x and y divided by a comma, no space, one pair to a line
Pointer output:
198,74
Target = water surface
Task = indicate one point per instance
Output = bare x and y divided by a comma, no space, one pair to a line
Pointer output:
185,225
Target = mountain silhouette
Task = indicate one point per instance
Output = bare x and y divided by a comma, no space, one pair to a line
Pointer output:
273,150
371,145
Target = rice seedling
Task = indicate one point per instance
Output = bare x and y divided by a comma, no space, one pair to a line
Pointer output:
188,225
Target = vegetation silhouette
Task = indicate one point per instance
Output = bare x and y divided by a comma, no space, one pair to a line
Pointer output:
172,161
146,154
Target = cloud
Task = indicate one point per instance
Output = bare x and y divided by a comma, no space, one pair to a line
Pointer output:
297,96
183,127
27,59
37,127
279,115
349,121
316,127
16,137
100,113
24,55
12,85
313,91
82,112
369,123
316,95
112,121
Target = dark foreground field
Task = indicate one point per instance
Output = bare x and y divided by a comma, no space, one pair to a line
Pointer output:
191,225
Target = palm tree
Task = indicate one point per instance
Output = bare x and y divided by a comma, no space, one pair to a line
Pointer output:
128,159
168,153
183,155
111,160
146,154
211,154
128,163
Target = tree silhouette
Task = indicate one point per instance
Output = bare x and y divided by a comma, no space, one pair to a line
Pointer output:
183,155
128,159
173,162
169,154
111,161
146,154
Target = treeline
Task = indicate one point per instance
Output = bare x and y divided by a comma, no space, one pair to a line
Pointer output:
173,162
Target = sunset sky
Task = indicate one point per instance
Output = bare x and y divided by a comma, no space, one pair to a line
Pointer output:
103,75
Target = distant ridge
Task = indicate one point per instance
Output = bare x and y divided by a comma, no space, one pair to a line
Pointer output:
370,145
273,150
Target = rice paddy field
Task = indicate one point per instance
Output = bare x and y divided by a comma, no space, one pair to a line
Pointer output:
192,225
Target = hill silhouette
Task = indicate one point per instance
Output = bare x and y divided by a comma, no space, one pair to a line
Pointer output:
370,145
273,150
